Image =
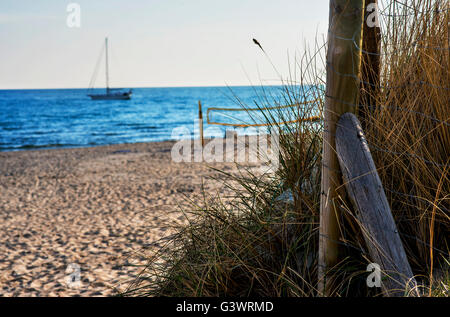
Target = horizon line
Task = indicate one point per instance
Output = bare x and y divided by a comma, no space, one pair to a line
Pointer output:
131,87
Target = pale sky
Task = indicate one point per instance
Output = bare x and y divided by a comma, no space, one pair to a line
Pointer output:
154,43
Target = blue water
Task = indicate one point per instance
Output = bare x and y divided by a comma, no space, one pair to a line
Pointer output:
35,119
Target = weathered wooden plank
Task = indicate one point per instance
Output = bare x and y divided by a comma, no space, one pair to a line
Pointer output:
366,193
343,67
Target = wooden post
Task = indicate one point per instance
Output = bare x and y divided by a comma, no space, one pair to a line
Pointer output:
342,90
366,193
200,123
370,65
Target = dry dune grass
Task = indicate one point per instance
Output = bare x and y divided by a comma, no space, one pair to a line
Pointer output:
410,132
256,244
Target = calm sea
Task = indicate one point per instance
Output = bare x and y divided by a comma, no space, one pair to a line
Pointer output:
57,118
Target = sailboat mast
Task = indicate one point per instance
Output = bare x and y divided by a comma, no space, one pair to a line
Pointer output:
107,72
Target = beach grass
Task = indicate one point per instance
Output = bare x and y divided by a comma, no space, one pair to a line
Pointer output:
258,244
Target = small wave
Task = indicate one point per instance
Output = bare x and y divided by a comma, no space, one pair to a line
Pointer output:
137,126
105,133
43,146
43,132
11,128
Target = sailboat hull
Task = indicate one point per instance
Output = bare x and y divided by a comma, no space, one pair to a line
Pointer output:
124,96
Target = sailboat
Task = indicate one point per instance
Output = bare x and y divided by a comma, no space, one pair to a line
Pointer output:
110,94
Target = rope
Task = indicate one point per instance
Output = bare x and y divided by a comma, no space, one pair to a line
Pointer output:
309,119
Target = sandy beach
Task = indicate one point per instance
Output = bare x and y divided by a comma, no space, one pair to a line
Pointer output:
87,210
